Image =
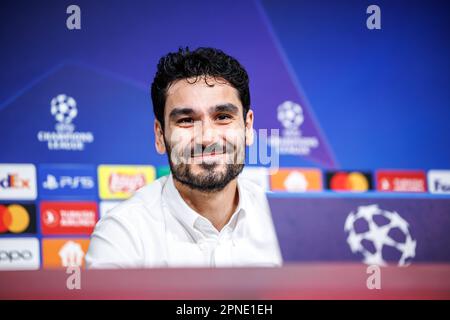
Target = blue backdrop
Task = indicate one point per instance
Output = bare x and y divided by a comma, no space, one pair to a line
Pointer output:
369,99
373,98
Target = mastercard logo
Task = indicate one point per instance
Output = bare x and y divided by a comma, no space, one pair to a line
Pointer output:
14,218
349,181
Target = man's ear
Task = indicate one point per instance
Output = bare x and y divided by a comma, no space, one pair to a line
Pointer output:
249,128
159,138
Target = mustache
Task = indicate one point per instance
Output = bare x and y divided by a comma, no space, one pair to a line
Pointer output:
216,148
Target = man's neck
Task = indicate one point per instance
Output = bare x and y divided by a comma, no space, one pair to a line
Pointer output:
217,207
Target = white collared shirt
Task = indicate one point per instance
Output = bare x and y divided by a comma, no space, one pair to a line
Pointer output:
156,228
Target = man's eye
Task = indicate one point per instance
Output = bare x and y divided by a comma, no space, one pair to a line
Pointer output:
185,121
222,117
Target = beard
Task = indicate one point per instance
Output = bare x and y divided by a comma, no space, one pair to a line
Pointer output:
210,179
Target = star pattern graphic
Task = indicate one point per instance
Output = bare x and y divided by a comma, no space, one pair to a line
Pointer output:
379,235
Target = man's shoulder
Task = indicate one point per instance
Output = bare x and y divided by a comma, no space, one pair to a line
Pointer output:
145,202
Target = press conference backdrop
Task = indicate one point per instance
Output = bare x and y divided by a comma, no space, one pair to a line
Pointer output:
362,117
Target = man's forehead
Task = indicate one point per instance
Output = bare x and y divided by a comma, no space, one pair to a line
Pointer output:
198,82
199,94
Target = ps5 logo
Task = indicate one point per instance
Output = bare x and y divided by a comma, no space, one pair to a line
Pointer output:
68,182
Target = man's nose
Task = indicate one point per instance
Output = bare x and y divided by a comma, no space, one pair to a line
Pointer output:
207,134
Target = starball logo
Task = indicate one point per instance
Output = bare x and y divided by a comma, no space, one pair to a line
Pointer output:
292,141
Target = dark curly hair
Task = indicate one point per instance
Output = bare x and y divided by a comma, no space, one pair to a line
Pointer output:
197,64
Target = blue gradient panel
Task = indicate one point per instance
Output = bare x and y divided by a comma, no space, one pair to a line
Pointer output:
381,96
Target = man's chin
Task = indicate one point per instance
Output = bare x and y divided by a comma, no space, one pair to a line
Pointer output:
200,168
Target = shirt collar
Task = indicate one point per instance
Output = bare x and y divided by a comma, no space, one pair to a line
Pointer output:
189,217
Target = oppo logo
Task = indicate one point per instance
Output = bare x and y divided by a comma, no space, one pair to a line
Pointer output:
19,254
15,255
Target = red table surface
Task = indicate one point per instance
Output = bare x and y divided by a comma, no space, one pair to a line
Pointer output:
294,281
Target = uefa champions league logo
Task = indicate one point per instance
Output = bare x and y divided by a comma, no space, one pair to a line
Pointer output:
290,115
64,109
291,141
371,229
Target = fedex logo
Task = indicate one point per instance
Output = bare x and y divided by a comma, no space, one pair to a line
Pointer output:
67,180
17,182
439,181
14,181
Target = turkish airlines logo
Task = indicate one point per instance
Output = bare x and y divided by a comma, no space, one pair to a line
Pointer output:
19,254
17,182
401,181
68,217
51,218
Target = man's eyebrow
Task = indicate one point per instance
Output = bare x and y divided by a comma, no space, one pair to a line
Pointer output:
176,112
225,107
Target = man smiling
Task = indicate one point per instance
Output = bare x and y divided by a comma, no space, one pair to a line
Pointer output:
203,213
